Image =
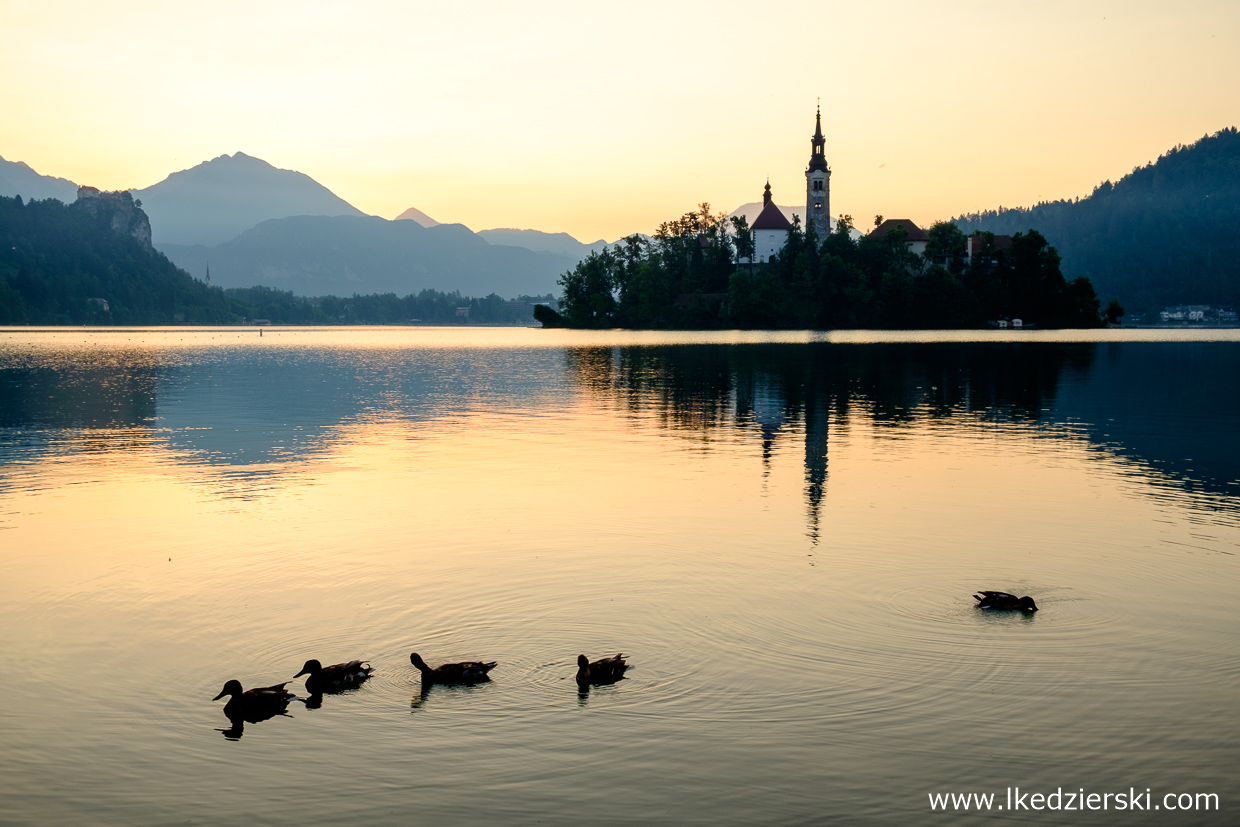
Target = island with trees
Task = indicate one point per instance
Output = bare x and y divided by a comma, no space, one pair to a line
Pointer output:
692,275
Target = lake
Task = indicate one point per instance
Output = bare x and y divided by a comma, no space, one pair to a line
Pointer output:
781,531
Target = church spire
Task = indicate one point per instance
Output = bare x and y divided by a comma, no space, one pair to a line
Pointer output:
766,193
818,183
817,156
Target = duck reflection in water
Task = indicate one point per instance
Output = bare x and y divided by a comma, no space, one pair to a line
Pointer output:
252,705
441,691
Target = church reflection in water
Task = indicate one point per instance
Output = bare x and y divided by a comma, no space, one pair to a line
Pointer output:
1118,400
1166,408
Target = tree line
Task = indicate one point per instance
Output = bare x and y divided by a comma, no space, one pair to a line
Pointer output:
689,276
61,265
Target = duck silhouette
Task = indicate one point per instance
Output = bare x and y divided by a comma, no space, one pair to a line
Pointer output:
465,672
602,671
254,705
334,678
1002,601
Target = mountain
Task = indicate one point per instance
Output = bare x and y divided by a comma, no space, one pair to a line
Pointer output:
414,214
754,208
559,243
1166,233
221,198
16,178
91,262
343,255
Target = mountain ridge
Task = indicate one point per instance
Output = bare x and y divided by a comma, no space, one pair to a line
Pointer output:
216,200
343,255
1165,233
18,178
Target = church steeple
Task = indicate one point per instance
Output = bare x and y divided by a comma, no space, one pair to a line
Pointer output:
766,193
818,183
817,156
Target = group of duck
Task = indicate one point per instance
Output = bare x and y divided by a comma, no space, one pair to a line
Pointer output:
263,702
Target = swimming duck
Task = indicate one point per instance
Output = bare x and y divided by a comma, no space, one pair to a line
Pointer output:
1004,601
334,678
256,704
468,672
606,670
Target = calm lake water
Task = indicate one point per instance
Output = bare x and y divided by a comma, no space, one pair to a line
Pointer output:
781,531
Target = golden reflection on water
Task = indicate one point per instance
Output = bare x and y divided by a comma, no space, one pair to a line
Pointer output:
784,546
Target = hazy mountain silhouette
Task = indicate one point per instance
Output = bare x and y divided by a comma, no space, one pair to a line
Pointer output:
343,255
414,214
540,242
17,178
1163,234
221,198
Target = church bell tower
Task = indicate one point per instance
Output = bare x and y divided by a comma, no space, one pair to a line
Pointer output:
818,184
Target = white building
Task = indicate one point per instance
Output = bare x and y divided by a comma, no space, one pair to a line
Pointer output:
770,229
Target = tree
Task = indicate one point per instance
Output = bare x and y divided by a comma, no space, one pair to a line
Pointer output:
742,237
589,290
547,316
947,246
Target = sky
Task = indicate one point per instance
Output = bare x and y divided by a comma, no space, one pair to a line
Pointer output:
603,119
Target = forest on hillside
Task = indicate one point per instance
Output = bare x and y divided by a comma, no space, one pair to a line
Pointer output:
61,264
1167,233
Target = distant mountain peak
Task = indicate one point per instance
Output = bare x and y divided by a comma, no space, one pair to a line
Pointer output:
217,200
414,214
17,178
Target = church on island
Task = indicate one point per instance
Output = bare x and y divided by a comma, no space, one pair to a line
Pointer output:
770,228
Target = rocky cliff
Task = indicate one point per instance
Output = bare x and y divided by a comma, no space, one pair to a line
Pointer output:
119,210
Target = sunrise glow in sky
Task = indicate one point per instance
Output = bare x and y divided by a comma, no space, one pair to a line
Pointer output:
601,119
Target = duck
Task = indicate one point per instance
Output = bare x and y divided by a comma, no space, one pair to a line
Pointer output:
334,678
256,704
1004,601
605,670
467,672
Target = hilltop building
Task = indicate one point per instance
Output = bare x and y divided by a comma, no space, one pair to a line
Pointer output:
119,209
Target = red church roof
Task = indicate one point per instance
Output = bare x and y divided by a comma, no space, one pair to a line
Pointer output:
771,218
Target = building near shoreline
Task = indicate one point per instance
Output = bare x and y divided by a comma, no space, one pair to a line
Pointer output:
1198,314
